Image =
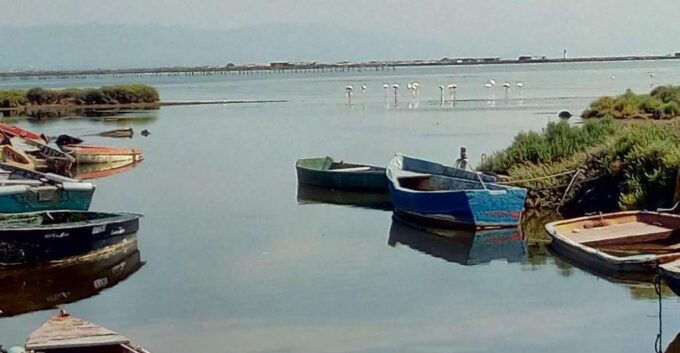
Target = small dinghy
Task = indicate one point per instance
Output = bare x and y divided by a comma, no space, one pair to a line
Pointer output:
326,172
15,156
631,241
442,196
38,237
12,130
91,154
23,190
64,333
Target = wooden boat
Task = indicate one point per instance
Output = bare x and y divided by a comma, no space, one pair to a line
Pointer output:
631,241
90,154
23,190
466,247
442,196
38,237
309,194
64,333
12,130
326,172
45,157
43,287
14,156
670,272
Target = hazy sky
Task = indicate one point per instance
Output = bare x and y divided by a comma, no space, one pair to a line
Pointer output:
487,27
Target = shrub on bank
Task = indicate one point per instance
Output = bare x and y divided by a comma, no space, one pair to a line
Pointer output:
12,98
119,94
634,165
661,103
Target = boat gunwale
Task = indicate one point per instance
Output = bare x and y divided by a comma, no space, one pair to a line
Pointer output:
117,218
394,167
374,169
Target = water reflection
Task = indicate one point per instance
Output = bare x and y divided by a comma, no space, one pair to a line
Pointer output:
466,247
307,194
101,170
45,287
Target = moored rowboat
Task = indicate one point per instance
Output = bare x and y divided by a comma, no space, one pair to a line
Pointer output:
14,156
23,190
326,172
442,196
631,241
65,333
39,237
90,154
12,130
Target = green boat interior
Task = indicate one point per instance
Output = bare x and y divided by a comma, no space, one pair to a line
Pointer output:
327,163
47,218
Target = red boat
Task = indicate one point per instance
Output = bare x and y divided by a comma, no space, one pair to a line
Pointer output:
12,130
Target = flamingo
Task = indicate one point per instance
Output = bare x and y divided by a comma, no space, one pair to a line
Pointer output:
396,88
441,93
452,90
520,85
506,85
651,78
348,93
488,90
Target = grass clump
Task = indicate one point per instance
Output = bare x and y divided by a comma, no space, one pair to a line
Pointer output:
107,95
625,166
662,102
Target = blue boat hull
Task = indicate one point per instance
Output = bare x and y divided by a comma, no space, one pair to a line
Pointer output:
60,199
475,208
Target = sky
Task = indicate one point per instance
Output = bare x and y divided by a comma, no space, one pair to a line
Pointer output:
504,28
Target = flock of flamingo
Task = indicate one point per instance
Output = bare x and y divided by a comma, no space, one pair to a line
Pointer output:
447,93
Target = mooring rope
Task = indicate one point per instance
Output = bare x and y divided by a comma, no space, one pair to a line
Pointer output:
658,345
538,178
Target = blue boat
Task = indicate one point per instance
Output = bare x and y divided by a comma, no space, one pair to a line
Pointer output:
441,196
23,190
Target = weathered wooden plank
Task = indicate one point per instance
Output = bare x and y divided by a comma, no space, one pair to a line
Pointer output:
620,233
65,331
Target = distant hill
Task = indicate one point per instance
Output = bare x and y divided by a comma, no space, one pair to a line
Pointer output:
117,46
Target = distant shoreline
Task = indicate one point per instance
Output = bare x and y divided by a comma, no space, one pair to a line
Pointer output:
132,106
321,67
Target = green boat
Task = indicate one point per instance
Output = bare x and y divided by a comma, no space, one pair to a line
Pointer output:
326,172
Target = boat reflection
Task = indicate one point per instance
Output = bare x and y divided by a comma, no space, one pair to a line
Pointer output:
639,284
466,247
45,287
308,194
101,170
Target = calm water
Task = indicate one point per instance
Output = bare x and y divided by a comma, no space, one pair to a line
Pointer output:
235,263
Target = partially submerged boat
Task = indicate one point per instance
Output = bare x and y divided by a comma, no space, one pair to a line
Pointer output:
466,247
23,190
92,154
326,172
630,241
64,333
40,237
442,196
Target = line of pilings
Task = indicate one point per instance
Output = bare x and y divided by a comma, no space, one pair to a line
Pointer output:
141,73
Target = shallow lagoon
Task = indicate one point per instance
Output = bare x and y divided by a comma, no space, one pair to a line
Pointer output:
235,263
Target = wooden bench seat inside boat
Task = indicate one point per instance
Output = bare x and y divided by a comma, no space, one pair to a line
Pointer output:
621,233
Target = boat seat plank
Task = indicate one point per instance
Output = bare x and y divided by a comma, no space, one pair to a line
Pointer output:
620,233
